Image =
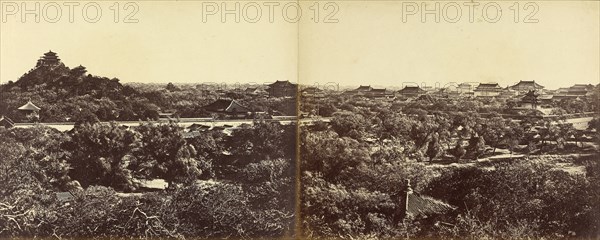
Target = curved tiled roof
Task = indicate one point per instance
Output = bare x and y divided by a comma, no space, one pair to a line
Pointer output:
223,105
412,89
29,106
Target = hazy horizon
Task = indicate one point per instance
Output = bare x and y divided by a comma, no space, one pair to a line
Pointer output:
370,45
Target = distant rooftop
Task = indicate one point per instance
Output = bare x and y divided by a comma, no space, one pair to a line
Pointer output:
378,90
412,89
364,88
526,85
488,86
281,83
50,53
223,105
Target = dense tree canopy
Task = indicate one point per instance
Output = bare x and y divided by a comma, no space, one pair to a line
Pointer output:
255,199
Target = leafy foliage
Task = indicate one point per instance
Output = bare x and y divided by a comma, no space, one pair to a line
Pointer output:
549,201
101,153
38,162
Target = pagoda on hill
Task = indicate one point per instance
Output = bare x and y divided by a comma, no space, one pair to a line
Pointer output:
79,70
49,59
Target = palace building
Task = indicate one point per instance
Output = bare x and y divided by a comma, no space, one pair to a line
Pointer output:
360,91
379,93
574,92
282,89
230,108
49,59
488,90
411,91
525,86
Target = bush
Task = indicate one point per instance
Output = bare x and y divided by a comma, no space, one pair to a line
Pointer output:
223,210
547,201
100,155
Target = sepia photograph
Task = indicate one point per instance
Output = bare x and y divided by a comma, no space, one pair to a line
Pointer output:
305,119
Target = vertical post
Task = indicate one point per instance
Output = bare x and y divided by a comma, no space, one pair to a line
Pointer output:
404,204
405,193
402,212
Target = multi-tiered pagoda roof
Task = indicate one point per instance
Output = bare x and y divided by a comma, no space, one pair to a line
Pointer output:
49,59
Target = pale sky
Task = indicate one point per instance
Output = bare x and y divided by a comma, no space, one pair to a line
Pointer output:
169,44
369,45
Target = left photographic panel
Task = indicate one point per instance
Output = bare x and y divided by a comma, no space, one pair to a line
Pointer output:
148,119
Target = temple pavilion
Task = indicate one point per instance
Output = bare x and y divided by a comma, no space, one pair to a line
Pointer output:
49,59
31,110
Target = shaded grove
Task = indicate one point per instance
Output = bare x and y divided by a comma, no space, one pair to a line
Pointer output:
507,179
218,185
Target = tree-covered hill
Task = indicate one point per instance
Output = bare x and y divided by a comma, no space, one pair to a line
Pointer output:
74,95
66,94
71,82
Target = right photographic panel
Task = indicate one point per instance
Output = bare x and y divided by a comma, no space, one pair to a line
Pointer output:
449,120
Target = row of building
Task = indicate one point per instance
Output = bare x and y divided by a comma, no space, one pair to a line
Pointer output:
288,89
227,107
482,90
277,89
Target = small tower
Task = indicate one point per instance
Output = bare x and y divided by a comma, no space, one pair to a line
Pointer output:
49,59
